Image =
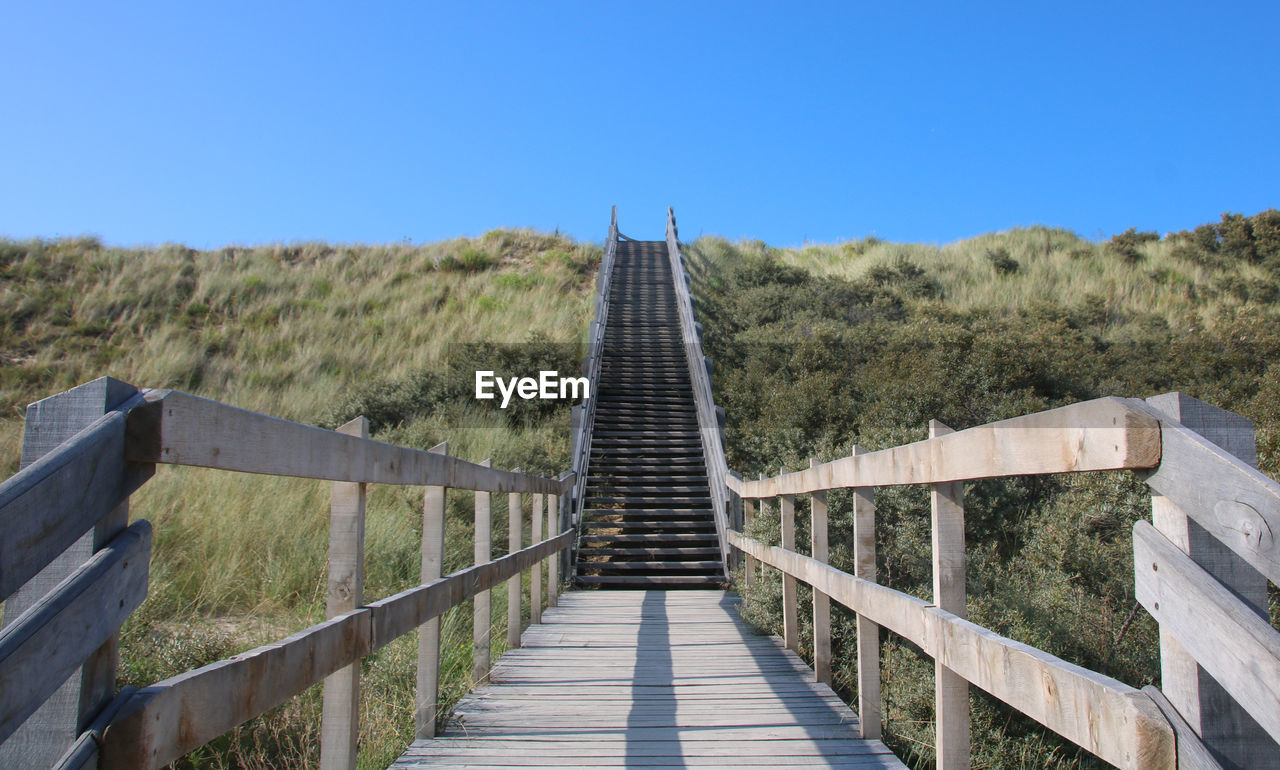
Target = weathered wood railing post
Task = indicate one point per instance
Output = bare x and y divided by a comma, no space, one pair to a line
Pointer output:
1223,724
340,717
790,617
428,696
748,561
535,572
482,618
864,566
821,602
951,690
515,532
47,733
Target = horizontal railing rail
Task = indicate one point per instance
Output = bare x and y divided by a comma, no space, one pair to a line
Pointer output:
71,573
1207,591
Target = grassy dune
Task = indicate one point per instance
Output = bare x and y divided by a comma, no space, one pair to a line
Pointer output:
314,333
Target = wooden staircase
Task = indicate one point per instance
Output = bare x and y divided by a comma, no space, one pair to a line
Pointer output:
647,520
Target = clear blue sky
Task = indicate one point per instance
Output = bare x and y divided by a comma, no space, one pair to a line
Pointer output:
229,122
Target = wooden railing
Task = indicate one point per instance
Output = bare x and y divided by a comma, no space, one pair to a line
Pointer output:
72,569
710,417
584,413
1201,570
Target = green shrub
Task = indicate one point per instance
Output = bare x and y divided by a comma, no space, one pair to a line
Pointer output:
1001,261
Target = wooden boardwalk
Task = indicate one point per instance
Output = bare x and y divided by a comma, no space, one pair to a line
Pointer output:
649,679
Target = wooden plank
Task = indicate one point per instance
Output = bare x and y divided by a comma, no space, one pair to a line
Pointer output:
53,501
535,571
399,614
1192,753
790,614
426,710
1232,501
553,565
48,642
951,691
821,603
166,720
1101,714
482,607
1222,633
1103,434
83,754
515,532
748,562
51,422
178,428
1214,715
864,561
340,714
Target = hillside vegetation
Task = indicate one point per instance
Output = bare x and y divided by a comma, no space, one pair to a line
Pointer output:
316,333
821,348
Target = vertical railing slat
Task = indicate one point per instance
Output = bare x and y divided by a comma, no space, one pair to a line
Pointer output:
951,697
821,602
535,572
864,566
482,606
515,532
790,618
428,696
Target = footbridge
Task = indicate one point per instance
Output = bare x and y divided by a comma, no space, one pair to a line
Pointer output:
636,655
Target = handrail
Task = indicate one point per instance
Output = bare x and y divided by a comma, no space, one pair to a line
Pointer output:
1213,607
585,413
53,628
704,400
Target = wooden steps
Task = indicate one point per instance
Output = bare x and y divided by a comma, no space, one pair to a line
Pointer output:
647,521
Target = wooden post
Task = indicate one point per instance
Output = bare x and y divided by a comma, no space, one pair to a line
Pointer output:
864,566
340,716
1225,727
47,733
553,562
515,531
821,602
482,618
748,561
951,693
790,620
427,707
535,572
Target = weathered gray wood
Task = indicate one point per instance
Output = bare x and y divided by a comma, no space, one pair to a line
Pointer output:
864,566
535,571
515,531
1101,714
748,562
1232,501
790,612
1221,632
48,642
482,608
49,504
821,604
1192,753
399,614
166,720
700,380
428,686
83,754
1223,724
170,718
340,715
625,678
553,566
50,422
1103,434
951,691
178,428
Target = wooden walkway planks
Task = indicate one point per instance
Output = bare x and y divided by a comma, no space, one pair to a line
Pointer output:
649,679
